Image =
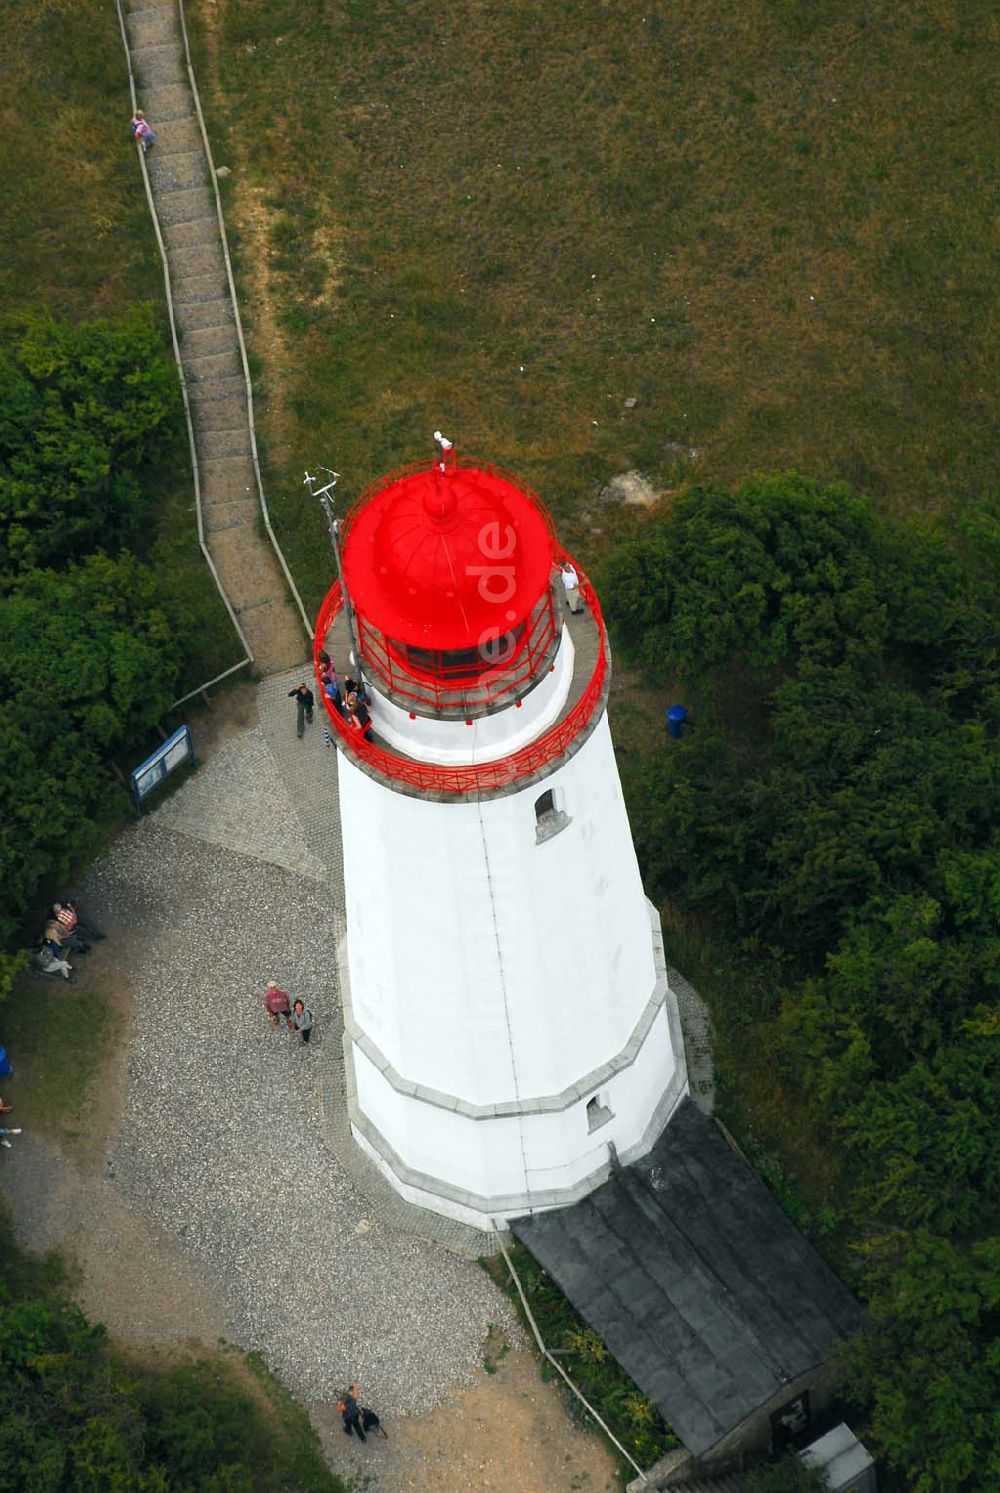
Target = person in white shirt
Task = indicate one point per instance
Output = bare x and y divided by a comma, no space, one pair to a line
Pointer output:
572,583
447,457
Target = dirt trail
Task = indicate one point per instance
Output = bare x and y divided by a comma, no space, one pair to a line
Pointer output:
507,1431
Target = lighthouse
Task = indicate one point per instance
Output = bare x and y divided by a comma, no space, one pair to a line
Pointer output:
510,1034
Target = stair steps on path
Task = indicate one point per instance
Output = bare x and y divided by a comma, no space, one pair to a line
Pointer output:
223,388
185,203
205,367
176,170
220,415
152,26
213,444
177,137
205,342
229,478
195,316
199,287
157,66
165,102
193,234
236,515
198,259
184,207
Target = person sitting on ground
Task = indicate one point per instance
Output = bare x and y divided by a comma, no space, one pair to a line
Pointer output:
51,961
57,934
66,914
276,1003
301,1021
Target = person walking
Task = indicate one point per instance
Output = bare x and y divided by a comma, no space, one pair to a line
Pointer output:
5,1142
350,1412
277,1004
301,1021
571,581
304,701
142,132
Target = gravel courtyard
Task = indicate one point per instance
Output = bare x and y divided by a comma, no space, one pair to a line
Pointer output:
220,1142
233,881
226,1198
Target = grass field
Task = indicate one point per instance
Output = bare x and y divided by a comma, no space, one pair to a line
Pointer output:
56,1037
768,222
76,238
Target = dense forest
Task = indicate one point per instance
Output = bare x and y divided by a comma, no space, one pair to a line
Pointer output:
95,635
829,831
76,1417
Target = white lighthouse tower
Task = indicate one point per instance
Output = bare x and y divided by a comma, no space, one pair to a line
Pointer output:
509,1028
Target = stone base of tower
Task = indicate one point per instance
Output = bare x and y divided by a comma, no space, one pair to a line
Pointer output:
483,1164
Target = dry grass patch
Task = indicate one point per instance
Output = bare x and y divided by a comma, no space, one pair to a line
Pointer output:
769,224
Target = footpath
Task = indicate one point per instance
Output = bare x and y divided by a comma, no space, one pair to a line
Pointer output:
185,205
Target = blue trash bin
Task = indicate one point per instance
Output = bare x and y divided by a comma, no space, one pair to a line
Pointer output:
5,1069
676,716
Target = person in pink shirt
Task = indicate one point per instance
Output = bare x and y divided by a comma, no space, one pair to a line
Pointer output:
277,1004
142,132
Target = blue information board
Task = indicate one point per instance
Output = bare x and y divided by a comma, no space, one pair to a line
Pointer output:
175,752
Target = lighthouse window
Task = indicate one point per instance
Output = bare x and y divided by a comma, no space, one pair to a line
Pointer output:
546,804
598,1114
550,814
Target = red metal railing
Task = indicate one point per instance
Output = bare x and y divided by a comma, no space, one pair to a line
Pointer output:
476,777
459,688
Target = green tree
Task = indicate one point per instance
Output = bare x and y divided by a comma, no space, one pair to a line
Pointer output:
930,1363
85,414
75,1419
832,822
90,662
784,568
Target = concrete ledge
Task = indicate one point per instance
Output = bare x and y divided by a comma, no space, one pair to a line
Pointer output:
477,1209
544,1103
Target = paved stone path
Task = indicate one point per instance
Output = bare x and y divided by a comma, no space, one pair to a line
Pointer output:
206,323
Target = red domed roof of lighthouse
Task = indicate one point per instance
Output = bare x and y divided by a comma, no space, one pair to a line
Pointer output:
436,560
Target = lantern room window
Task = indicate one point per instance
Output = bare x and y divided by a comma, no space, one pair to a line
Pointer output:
462,663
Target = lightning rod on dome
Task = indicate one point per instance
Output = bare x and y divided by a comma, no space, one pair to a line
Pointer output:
326,495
